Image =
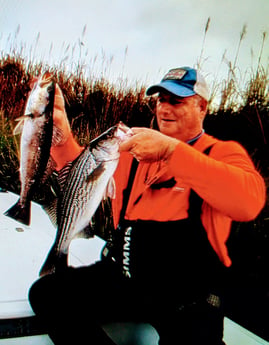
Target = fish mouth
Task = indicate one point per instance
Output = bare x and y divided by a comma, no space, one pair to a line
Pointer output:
123,132
118,133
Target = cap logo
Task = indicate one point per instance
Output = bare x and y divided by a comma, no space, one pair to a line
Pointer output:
175,74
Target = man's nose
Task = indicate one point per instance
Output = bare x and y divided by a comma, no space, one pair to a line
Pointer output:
165,107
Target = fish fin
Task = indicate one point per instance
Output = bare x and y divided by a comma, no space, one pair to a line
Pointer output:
24,117
96,173
110,189
51,211
55,262
20,212
87,232
19,126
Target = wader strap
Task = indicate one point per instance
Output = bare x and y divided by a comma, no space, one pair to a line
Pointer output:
195,201
207,150
109,250
127,191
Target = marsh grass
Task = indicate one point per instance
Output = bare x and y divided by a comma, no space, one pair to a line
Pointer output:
8,156
93,103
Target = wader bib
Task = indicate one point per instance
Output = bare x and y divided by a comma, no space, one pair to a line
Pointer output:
172,255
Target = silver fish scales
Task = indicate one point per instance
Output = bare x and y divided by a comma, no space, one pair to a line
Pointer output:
88,182
35,144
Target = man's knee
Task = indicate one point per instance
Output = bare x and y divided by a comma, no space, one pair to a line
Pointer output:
42,294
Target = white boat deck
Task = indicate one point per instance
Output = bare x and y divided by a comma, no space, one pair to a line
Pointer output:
23,249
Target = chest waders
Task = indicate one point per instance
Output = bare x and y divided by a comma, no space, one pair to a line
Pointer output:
174,256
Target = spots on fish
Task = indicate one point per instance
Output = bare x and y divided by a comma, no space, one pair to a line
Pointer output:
35,145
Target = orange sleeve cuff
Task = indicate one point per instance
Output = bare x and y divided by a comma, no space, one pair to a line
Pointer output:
69,151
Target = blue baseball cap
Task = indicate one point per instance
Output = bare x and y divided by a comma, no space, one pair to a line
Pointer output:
182,82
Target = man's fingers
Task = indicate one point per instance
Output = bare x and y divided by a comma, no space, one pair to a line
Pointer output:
137,130
58,91
136,142
127,145
33,81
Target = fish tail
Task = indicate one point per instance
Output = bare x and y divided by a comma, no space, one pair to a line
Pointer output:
20,212
55,262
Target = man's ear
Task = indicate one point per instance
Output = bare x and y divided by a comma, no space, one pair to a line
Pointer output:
203,105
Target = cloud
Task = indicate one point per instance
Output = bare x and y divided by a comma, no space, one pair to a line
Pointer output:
159,34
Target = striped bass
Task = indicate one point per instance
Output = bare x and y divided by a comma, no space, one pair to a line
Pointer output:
89,181
35,144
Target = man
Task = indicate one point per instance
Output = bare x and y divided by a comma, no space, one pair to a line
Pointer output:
167,262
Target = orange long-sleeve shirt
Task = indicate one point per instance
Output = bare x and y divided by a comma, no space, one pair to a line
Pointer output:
227,181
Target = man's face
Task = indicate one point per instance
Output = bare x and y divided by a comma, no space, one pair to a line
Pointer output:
178,117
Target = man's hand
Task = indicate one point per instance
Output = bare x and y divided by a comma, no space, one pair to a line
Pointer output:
60,120
149,145
64,147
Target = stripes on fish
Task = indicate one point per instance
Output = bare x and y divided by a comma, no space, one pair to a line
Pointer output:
86,185
74,186
57,182
63,174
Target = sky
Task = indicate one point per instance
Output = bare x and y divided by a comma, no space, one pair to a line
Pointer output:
137,40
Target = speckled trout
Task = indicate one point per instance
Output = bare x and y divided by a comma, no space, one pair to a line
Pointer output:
89,181
36,126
